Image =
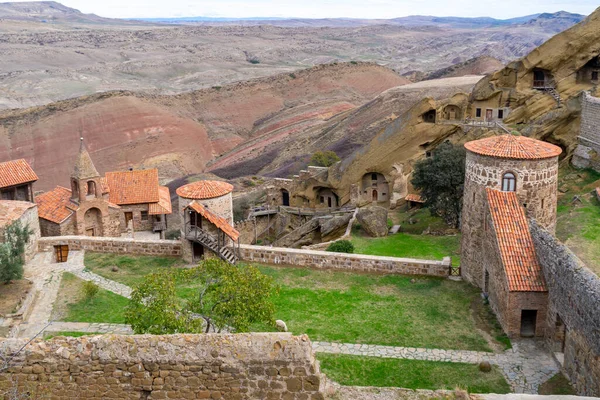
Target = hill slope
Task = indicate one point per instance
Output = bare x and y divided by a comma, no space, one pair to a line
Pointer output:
180,134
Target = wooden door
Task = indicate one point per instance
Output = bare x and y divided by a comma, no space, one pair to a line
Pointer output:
198,251
375,195
489,114
128,217
62,253
329,202
90,232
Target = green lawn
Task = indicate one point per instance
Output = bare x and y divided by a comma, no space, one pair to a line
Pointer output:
417,220
366,308
131,269
410,246
73,307
413,374
578,222
377,309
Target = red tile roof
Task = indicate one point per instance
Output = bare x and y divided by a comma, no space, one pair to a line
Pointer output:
16,172
415,198
514,147
11,211
56,205
164,203
216,220
133,187
517,250
204,190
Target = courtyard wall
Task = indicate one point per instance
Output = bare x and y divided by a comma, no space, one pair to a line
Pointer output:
573,321
343,261
113,245
216,366
587,153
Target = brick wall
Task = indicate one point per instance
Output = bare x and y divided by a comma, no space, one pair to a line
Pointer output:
113,245
344,262
216,366
573,318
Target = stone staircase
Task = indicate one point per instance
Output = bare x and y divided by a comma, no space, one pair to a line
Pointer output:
554,93
197,235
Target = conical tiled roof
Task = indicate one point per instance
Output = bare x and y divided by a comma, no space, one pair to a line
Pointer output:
204,190
515,147
84,166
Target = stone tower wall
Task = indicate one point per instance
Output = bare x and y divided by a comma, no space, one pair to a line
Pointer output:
537,184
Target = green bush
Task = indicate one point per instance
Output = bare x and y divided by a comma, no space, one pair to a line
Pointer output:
173,235
324,158
341,246
90,290
12,251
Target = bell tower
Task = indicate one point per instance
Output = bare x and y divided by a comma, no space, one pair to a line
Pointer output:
85,179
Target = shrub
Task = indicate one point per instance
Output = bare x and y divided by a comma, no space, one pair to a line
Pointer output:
12,251
173,235
341,246
293,76
90,290
324,158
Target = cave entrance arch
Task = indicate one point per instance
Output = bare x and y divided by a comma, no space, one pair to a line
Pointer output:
285,198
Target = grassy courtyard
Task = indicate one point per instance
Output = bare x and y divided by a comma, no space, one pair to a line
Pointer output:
411,374
353,308
578,220
410,246
72,306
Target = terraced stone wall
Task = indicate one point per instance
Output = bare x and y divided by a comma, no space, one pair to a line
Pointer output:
211,366
113,245
573,319
344,262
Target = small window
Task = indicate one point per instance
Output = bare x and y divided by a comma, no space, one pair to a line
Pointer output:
509,182
383,194
473,197
428,154
373,177
500,114
478,112
144,215
524,205
594,75
543,203
322,199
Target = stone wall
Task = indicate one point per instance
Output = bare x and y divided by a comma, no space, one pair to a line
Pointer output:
587,153
113,245
573,319
211,366
344,262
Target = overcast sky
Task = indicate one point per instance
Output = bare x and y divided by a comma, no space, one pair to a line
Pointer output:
326,8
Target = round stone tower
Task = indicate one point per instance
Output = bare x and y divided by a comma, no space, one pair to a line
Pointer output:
526,166
215,196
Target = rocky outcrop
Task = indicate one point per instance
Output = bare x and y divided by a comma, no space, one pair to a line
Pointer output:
373,220
316,230
333,228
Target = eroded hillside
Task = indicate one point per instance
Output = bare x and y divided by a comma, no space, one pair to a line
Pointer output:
180,134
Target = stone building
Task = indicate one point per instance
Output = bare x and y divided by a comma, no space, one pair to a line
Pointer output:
587,153
509,179
104,206
25,212
16,180
206,210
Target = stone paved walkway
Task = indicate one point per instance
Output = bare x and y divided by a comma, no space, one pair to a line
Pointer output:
118,329
46,275
526,366
104,283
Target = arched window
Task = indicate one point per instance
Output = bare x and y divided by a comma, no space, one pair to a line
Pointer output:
91,188
509,182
